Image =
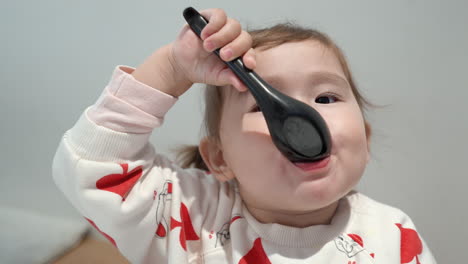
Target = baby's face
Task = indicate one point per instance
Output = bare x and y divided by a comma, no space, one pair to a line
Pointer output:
309,72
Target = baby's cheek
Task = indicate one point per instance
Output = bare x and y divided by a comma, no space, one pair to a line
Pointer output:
347,131
255,122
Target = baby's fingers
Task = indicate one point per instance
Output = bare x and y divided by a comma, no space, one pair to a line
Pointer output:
229,32
216,20
237,47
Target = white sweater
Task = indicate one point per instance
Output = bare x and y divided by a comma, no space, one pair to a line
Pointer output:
156,212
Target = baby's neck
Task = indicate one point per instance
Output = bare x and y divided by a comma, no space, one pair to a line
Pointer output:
322,216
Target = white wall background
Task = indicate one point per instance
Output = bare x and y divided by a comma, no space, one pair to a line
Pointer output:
56,57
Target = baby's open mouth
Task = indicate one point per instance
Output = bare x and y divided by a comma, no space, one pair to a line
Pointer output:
315,165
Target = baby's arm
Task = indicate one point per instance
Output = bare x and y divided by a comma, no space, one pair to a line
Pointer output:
113,176
138,199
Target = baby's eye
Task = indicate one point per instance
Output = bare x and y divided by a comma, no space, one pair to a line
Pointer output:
326,99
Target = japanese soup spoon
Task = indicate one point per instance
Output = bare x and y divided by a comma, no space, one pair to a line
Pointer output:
297,130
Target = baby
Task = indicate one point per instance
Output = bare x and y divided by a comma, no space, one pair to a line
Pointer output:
235,198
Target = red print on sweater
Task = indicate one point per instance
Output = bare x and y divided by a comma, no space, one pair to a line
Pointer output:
256,255
187,232
411,245
102,233
120,183
235,218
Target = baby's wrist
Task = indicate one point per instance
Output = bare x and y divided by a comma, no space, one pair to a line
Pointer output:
160,72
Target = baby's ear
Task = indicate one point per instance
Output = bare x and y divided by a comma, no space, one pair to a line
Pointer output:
212,155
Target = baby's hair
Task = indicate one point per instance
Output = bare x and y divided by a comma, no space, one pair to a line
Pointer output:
263,39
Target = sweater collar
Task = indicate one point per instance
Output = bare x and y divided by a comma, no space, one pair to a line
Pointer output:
312,236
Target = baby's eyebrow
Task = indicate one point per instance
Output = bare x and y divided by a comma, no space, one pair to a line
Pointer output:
313,78
323,76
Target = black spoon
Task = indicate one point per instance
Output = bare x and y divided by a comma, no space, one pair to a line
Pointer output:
297,130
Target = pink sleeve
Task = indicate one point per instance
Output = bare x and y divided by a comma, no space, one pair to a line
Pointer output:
129,106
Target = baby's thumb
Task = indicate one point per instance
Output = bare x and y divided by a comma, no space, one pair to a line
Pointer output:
249,59
226,76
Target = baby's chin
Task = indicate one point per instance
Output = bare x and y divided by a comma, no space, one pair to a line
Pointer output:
317,194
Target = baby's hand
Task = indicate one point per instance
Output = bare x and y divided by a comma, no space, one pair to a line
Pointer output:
195,58
188,60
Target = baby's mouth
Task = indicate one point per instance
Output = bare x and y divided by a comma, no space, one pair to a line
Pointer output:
312,166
